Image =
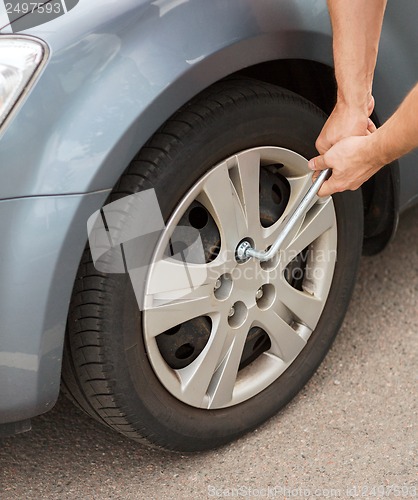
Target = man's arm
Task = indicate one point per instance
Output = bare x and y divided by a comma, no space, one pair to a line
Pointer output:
355,159
356,26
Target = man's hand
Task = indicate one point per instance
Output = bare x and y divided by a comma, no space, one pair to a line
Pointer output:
352,161
345,121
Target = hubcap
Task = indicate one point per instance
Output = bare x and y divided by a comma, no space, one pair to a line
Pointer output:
218,330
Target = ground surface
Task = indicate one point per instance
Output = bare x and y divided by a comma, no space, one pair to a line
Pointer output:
353,426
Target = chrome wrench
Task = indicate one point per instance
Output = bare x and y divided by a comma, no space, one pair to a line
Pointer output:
245,250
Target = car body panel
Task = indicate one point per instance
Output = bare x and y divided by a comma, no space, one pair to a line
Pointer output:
36,270
117,71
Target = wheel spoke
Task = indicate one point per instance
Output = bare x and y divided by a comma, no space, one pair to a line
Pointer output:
176,293
223,381
285,342
319,219
306,307
246,178
176,278
298,188
159,318
207,376
220,197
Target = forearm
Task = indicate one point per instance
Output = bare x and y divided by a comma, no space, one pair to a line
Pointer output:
399,134
356,26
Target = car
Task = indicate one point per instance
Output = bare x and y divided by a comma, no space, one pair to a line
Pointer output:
202,117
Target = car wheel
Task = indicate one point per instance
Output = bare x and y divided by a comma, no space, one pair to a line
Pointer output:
199,370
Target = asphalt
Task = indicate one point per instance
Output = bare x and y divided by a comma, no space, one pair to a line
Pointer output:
351,430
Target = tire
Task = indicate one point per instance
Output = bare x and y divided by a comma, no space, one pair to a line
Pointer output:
119,375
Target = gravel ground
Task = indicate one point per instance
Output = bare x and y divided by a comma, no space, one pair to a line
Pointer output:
353,426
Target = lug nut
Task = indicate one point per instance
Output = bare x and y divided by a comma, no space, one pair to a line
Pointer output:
259,293
218,284
231,312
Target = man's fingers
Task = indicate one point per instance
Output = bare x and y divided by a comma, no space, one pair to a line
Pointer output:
370,107
324,191
371,127
317,163
322,146
327,188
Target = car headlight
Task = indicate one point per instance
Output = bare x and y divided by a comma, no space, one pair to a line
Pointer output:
21,60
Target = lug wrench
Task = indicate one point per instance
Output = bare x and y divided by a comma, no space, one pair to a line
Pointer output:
245,250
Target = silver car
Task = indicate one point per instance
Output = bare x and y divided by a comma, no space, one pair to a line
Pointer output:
212,107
